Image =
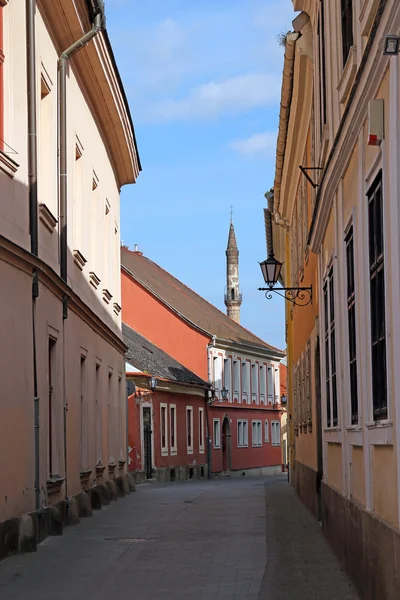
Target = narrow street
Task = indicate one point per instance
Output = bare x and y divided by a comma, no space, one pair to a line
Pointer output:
247,538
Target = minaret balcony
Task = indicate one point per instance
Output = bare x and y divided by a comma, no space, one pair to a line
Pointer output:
232,298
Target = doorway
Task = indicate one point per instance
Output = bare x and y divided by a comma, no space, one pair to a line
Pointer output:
147,442
226,445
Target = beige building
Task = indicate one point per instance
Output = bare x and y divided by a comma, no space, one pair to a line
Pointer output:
63,395
339,232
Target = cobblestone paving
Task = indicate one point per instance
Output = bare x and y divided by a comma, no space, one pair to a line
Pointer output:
206,540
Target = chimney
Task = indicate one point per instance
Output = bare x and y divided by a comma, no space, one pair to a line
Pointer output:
136,250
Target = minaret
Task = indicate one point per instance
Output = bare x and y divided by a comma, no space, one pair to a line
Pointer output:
233,298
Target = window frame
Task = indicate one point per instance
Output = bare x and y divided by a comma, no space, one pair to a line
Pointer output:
259,436
351,304
217,438
243,423
172,420
277,425
266,431
189,447
347,21
164,446
331,394
379,376
201,430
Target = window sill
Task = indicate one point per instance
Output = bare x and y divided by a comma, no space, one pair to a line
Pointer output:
174,452
201,450
54,485
355,436
47,218
94,280
240,446
333,435
349,71
164,452
190,450
79,259
380,433
107,295
7,164
85,475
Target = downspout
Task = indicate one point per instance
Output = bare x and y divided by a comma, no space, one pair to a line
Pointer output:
97,26
33,215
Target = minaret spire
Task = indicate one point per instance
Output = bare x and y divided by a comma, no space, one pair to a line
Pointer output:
233,297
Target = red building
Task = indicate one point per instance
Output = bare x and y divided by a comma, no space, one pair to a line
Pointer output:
166,414
244,408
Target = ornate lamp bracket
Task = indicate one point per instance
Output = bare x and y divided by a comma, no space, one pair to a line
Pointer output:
301,296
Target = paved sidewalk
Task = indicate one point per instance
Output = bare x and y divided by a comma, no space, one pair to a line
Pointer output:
205,540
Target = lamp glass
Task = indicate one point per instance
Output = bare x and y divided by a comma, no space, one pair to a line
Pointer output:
271,270
153,383
224,393
392,43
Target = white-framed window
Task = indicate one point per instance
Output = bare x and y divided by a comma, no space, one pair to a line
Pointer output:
263,384
276,433
270,386
254,384
164,429
266,436
256,434
218,372
217,433
236,379
189,429
243,433
201,430
246,382
172,429
228,378
277,383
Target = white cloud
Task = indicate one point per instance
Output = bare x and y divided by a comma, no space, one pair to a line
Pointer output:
234,95
259,143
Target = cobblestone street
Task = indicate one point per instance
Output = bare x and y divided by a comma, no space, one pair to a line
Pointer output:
195,540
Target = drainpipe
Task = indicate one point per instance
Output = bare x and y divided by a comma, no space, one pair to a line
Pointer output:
98,25
33,214
208,432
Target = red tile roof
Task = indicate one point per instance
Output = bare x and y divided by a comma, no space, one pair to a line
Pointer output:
187,303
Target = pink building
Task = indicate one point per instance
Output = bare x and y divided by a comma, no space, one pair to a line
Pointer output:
63,395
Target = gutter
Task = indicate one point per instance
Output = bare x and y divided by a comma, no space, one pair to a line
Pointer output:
98,25
33,217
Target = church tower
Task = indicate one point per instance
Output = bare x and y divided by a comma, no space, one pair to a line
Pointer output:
233,297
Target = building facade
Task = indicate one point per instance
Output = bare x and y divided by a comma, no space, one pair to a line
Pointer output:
62,361
342,128
167,414
243,428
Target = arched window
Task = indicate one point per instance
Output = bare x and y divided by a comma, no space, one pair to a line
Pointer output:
232,294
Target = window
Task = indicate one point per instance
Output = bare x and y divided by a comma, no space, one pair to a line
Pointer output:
111,420
164,429
1,81
96,237
277,385
254,384
217,433
99,422
228,378
172,426
246,382
270,386
52,433
189,429
322,66
347,27
218,372
351,320
377,284
243,434
78,197
236,378
276,433
263,384
201,430
84,417
232,294
256,433
266,438
330,353
46,151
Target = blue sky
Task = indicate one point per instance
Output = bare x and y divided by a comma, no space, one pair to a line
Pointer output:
203,81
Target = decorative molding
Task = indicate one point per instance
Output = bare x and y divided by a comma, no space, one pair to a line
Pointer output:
7,164
94,280
100,470
111,468
121,464
54,485
47,217
117,308
106,296
85,475
79,259
2,57
347,78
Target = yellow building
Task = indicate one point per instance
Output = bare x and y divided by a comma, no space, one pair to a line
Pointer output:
336,227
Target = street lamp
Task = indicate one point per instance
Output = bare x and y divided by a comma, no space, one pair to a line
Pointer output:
271,270
224,393
283,399
153,383
391,44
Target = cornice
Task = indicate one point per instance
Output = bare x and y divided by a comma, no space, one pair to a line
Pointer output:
94,69
26,262
365,88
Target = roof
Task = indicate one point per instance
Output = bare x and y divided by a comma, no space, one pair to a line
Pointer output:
232,245
187,303
146,357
